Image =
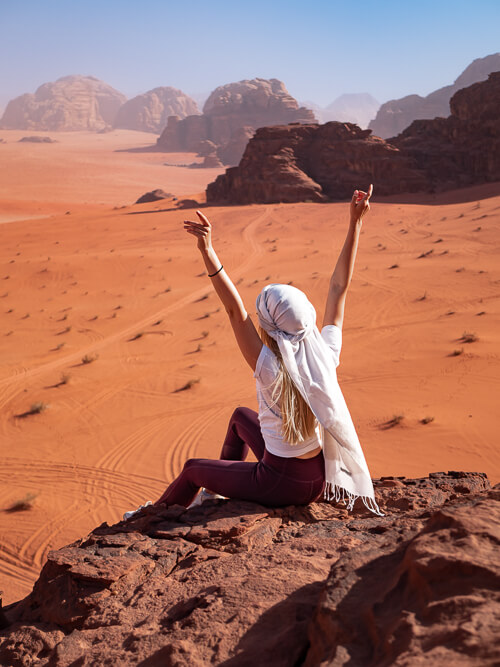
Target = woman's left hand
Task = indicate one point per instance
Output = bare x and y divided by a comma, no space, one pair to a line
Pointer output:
202,230
360,203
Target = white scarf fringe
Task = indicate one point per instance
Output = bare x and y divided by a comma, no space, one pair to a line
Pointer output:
335,493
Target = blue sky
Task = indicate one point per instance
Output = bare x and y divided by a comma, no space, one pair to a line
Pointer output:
320,49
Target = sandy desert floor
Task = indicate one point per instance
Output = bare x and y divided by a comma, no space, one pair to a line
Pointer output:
108,319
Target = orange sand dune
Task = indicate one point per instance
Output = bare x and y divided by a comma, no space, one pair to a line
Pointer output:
125,288
88,168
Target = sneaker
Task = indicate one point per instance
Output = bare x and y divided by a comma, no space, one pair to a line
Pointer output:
129,515
204,495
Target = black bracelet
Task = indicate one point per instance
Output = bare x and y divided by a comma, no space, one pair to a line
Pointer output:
211,275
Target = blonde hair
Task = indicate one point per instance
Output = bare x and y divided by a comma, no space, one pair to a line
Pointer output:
298,419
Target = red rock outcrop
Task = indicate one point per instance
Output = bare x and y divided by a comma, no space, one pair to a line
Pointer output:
322,162
149,112
463,149
246,105
314,162
236,583
394,116
70,103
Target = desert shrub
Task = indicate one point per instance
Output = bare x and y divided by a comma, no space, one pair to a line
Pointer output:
23,504
188,385
36,408
468,337
89,358
391,423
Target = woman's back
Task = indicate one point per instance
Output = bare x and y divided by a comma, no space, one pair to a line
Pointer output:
271,423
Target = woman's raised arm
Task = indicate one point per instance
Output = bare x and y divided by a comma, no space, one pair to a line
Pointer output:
342,274
245,333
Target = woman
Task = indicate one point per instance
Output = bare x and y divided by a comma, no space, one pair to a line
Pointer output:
302,436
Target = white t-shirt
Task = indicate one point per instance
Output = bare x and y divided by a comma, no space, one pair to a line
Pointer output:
270,419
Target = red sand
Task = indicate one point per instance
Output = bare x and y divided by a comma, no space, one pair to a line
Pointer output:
117,431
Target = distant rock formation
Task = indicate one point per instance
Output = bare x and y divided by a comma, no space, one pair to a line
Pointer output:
322,162
235,583
210,161
395,115
230,116
70,103
314,163
149,112
188,203
37,140
357,108
153,195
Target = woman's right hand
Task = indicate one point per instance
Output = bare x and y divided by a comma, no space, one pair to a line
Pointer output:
360,203
202,230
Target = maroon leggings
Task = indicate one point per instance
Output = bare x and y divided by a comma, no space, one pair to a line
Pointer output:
273,481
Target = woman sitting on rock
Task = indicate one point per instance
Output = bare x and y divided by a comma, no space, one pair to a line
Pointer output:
303,436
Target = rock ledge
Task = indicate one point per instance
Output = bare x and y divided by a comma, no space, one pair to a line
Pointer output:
235,583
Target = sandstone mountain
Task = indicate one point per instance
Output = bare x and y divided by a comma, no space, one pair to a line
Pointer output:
463,149
70,103
149,112
395,115
230,115
238,584
357,108
323,162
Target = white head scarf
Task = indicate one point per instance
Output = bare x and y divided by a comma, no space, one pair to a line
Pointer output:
289,317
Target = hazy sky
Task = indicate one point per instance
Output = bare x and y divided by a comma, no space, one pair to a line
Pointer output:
319,48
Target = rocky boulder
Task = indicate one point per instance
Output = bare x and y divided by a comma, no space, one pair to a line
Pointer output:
395,115
153,195
243,105
70,103
149,112
236,583
314,163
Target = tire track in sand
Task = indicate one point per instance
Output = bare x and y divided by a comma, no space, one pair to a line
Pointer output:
184,445
107,487
16,568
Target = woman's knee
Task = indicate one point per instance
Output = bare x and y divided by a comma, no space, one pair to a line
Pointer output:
242,415
190,463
